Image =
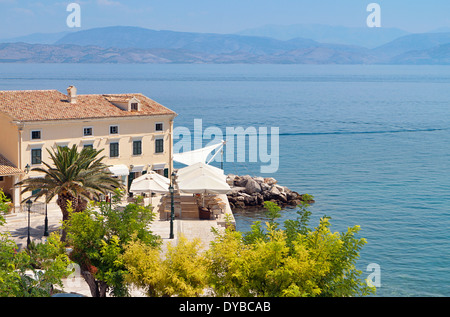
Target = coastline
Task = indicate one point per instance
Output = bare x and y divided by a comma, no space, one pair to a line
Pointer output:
252,191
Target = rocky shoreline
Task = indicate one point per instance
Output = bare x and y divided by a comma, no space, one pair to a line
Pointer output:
248,191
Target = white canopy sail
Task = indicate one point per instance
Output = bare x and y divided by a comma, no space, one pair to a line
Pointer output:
196,156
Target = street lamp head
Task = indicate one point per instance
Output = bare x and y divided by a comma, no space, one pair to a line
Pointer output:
29,203
27,168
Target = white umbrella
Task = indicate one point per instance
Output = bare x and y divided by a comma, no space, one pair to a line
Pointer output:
151,182
202,182
194,169
201,178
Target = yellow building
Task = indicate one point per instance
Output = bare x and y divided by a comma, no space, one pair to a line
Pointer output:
134,132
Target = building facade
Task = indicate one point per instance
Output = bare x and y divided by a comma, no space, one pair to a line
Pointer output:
134,132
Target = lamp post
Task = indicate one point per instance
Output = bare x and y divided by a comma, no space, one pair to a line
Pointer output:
172,207
29,203
46,221
172,211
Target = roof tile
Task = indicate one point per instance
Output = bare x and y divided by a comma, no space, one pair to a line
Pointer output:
8,168
43,105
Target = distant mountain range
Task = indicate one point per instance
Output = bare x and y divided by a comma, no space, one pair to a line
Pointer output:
36,38
320,45
362,36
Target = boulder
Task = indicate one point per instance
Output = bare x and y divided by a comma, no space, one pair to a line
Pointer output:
260,199
270,180
291,195
259,179
282,198
251,200
230,179
264,186
254,191
280,188
236,190
267,195
241,181
274,191
286,190
295,202
239,204
252,186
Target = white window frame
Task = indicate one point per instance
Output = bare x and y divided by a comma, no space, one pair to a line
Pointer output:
134,103
159,138
118,129
36,130
31,155
118,148
92,132
137,138
162,124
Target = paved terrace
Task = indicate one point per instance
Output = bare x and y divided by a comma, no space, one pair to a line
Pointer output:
17,226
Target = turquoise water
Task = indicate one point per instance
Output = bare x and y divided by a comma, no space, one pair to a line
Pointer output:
371,143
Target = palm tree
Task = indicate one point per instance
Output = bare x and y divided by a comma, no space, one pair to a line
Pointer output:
76,177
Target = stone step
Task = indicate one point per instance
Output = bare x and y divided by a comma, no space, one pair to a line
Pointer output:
189,214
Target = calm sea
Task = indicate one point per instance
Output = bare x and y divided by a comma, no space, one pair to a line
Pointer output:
371,143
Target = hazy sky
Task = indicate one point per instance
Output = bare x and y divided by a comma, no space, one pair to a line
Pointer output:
21,17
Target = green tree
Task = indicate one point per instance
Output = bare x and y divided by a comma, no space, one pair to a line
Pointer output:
182,272
32,272
273,211
75,177
98,236
4,204
294,261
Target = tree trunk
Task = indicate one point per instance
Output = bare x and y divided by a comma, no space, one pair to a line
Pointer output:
78,205
62,201
97,288
103,288
90,280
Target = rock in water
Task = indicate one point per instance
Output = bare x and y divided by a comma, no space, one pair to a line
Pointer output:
253,191
252,187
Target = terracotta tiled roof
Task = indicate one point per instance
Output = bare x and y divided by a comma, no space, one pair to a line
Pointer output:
39,105
8,168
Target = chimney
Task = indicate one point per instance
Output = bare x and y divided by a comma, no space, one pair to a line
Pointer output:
72,94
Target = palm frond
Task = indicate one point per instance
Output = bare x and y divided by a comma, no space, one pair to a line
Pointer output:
72,173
